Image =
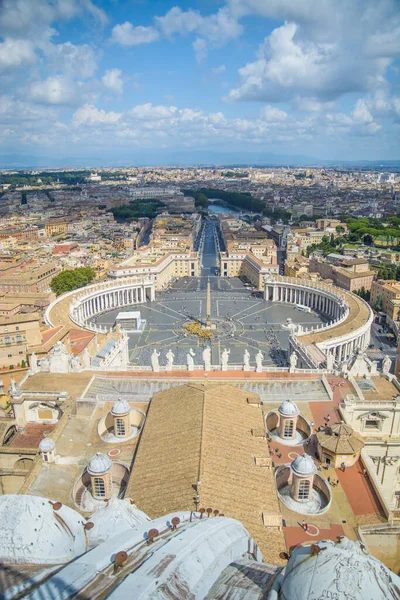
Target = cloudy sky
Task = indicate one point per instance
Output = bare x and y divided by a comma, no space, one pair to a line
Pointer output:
113,77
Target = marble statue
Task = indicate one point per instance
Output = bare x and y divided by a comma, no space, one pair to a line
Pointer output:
330,361
207,358
246,360
190,359
224,359
154,361
75,365
86,359
58,359
386,364
170,359
259,359
34,363
13,388
293,361
44,365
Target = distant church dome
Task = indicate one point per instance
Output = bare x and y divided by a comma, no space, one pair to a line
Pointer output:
114,518
46,445
303,465
344,568
99,464
288,409
33,532
120,407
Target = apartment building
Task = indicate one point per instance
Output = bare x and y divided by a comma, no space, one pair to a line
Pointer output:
29,278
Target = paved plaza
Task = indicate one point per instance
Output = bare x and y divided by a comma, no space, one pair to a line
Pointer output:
242,319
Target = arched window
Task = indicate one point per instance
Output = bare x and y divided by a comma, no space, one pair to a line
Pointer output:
304,489
7,339
120,427
18,337
99,487
288,429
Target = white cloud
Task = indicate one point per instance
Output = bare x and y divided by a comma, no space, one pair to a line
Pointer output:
179,21
312,105
16,53
89,114
113,81
97,13
128,35
218,70
200,49
151,113
71,60
360,113
322,51
58,90
215,29
270,113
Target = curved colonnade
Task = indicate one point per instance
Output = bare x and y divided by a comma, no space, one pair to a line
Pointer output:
347,331
99,298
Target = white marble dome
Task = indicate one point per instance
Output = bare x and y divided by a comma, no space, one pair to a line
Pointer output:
342,569
33,532
303,465
120,407
46,445
288,409
114,518
99,464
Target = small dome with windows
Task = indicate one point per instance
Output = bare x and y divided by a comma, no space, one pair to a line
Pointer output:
120,408
99,464
304,466
46,445
288,409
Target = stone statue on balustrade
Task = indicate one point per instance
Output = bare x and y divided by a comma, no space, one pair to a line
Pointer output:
224,359
44,365
74,364
86,359
330,362
170,359
292,362
190,359
155,362
33,363
59,359
386,365
207,358
259,360
246,360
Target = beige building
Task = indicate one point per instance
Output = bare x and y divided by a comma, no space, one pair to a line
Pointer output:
16,333
55,228
387,293
30,278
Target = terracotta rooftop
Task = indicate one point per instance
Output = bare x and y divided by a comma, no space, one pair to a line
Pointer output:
203,433
73,383
340,439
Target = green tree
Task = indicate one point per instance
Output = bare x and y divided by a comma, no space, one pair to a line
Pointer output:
378,303
72,279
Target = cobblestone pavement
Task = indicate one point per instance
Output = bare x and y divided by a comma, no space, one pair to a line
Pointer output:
243,321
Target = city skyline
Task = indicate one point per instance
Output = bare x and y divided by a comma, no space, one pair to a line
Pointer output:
120,80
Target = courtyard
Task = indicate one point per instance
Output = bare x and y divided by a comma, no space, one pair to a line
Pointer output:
243,320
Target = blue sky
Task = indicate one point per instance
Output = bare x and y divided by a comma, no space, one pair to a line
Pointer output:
124,77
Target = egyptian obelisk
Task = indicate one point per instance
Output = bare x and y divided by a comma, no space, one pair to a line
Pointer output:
208,317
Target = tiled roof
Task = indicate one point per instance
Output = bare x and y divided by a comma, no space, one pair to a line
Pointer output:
203,433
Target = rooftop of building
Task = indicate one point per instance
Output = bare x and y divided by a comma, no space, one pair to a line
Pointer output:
358,315
198,440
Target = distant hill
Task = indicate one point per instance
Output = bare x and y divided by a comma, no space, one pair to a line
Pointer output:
183,158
